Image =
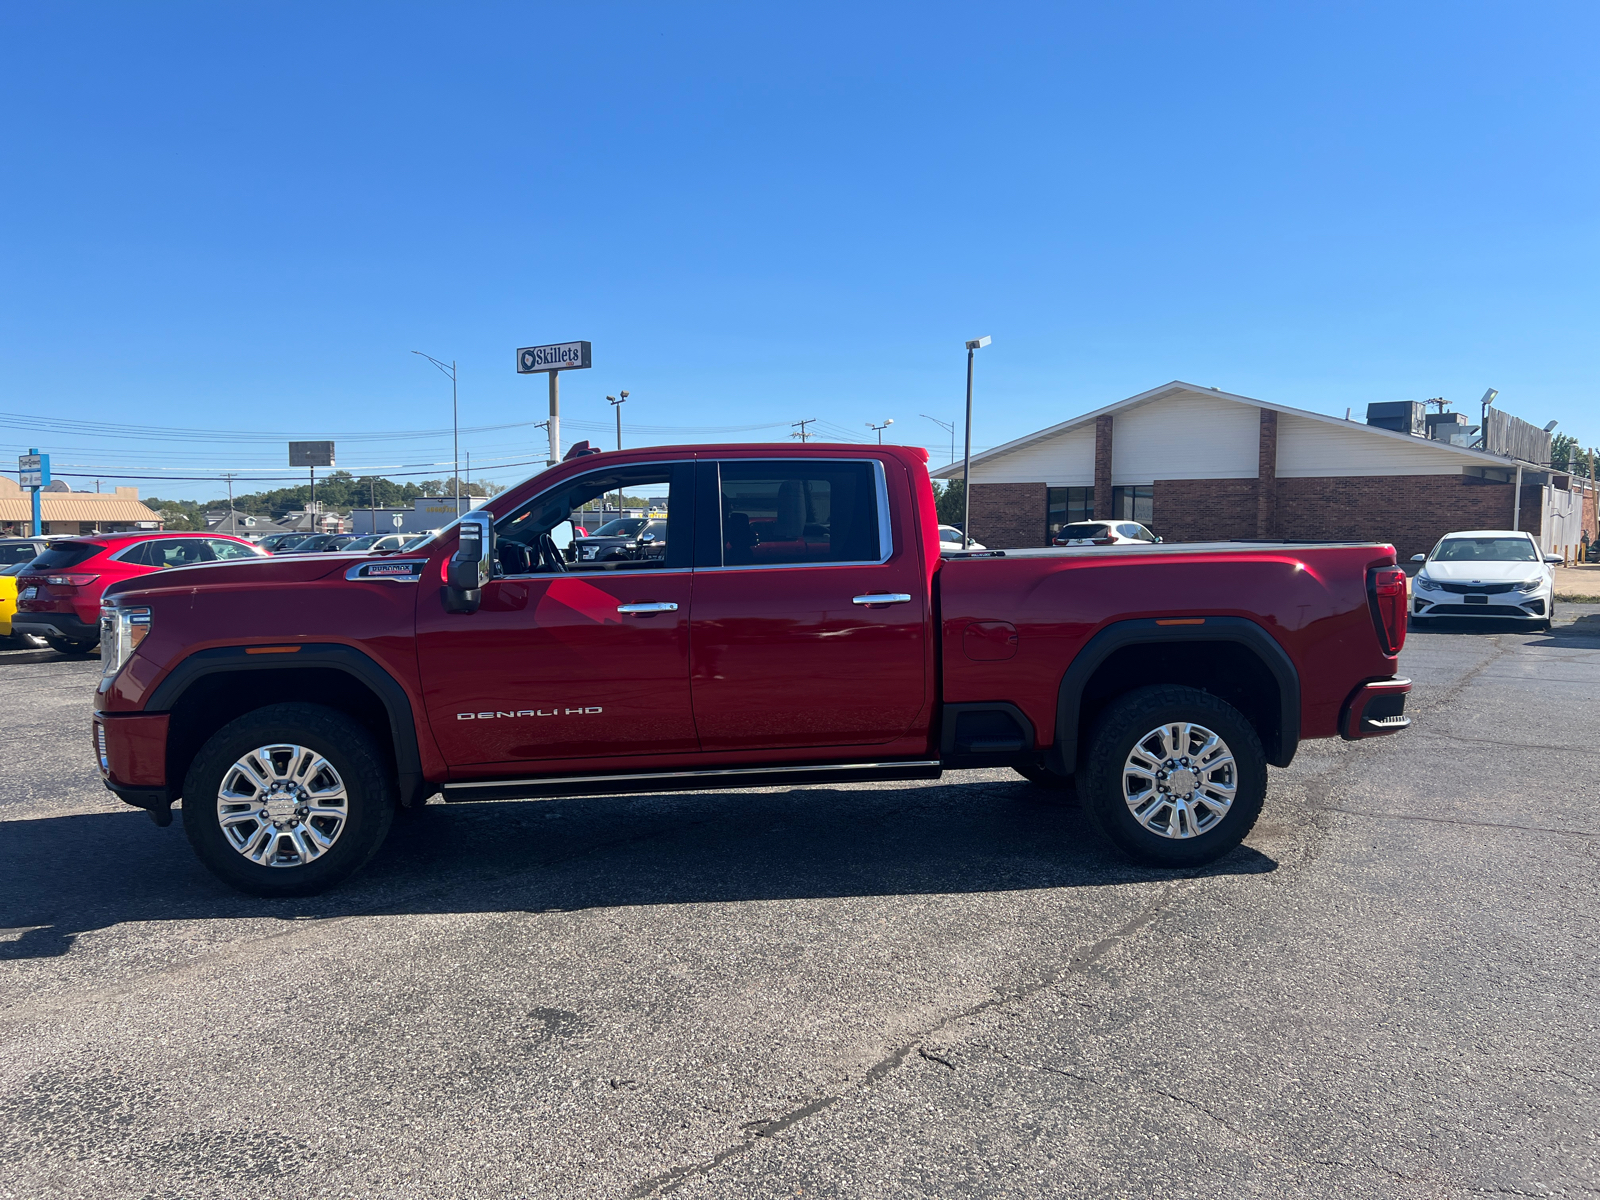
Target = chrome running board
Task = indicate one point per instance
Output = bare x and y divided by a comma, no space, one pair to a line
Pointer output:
540,787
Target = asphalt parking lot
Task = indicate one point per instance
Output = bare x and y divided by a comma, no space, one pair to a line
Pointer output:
955,990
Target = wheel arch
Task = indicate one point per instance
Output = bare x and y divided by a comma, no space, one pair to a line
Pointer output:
1239,660
212,687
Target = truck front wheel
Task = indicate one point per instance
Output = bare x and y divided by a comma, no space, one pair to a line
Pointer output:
288,800
1175,776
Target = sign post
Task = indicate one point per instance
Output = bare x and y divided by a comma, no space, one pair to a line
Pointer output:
33,472
553,359
313,455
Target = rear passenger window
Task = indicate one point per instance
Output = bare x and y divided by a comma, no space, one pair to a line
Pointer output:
798,511
17,554
178,552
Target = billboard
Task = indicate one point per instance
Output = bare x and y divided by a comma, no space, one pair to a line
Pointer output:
311,454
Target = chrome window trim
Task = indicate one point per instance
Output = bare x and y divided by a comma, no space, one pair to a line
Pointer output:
656,574
885,533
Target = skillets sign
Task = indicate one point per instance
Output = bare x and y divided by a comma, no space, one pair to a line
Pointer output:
563,356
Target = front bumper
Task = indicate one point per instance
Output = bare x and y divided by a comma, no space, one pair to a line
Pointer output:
1374,709
131,752
1500,606
55,624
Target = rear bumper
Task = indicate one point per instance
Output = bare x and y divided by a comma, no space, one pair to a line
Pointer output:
1374,709
131,752
55,624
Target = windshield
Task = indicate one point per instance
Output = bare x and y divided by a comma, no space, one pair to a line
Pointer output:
1082,531
1486,549
621,527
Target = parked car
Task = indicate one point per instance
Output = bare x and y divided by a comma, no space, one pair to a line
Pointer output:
58,597
950,539
1485,573
274,543
14,550
374,543
316,543
1105,533
8,607
626,538
418,539
294,703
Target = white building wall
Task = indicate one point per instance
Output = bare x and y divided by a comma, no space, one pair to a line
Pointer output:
1562,525
1189,435
1065,460
1311,449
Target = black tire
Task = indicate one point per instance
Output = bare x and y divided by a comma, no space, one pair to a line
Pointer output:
369,805
70,648
1044,777
1126,722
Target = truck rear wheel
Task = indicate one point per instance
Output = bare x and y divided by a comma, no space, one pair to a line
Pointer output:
1175,776
288,800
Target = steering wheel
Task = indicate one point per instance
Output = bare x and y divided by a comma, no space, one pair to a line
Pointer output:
550,554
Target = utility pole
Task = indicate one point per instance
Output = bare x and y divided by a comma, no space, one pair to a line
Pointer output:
950,428
228,475
801,425
878,429
374,498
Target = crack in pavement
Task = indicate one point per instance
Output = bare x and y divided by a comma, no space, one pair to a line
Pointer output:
1383,816
671,1180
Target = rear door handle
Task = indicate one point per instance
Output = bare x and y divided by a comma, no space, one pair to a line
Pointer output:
884,598
651,606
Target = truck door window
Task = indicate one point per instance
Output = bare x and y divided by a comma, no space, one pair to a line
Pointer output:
787,511
579,523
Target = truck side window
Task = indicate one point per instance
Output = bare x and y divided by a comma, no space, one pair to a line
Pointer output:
632,518
777,511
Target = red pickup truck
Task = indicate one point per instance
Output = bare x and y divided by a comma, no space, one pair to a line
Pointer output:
802,626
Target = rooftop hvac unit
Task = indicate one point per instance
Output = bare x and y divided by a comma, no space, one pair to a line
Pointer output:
1451,427
1402,416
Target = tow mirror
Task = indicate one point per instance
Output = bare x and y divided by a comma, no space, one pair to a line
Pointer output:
1419,558
472,565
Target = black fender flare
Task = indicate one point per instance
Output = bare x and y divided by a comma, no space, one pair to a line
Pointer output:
324,655
1118,634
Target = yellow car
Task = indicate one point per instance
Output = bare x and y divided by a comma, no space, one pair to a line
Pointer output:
8,605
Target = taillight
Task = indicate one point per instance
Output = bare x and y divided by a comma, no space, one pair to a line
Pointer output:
1103,542
70,580
1386,590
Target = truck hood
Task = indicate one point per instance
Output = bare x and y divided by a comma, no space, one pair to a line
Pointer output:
294,568
1482,572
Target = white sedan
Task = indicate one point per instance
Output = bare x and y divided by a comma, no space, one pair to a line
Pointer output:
1485,573
950,539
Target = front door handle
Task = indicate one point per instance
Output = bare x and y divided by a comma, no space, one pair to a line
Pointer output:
651,606
884,598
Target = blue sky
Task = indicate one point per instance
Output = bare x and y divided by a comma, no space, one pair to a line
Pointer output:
242,217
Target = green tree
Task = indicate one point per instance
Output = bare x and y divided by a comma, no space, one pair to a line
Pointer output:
948,501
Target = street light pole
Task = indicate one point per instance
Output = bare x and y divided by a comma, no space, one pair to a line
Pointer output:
966,462
878,429
455,421
617,404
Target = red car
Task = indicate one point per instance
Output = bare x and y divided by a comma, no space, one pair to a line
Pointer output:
58,598
803,627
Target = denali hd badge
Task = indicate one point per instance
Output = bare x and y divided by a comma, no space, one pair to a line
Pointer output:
529,712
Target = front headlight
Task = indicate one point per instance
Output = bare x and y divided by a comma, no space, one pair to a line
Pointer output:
1530,585
121,631
1422,581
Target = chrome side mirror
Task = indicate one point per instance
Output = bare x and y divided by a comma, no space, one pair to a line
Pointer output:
1554,559
646,538
472,565
1419,558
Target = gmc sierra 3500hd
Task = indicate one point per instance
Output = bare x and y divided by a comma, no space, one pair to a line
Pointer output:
801,626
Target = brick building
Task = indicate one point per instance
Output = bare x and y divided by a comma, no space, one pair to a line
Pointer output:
1198,464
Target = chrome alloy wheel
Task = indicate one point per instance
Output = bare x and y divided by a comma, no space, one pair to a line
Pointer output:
282,805
1180,780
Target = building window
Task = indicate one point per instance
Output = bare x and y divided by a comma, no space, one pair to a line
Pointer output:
1064,506
1134,504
